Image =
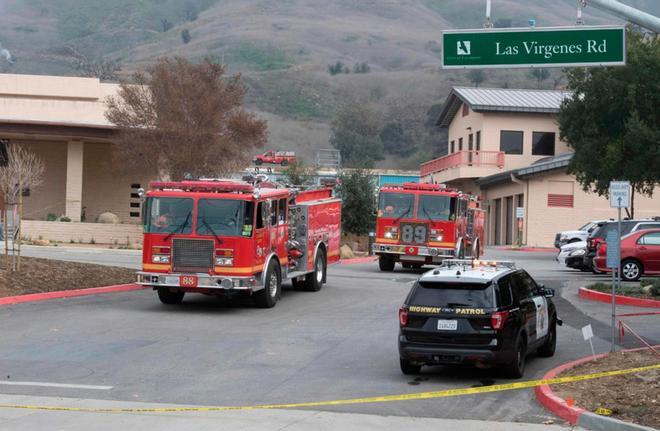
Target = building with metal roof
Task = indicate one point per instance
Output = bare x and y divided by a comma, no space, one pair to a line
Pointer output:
504,145
502,100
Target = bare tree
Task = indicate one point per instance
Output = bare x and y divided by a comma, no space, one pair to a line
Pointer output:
179,119
21,170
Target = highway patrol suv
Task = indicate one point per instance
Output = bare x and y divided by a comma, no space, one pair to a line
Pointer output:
476,312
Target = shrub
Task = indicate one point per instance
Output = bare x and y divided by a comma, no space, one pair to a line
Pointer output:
185,35
51,217
65,219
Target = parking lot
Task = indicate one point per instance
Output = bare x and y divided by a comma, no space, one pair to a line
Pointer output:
335,344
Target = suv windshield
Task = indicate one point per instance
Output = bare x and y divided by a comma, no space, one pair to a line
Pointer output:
168,215
436,207
444,294
396,205
224,217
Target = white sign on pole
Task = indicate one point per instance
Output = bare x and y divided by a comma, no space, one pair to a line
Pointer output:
588,334
520,212
619,194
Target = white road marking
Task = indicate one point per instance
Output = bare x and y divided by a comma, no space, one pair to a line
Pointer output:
56,385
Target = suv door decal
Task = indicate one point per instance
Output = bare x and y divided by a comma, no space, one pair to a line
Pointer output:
542,323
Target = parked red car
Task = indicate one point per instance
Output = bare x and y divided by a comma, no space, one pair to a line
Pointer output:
640,255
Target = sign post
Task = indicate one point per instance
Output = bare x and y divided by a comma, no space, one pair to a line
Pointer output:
520,215
619,198
534,47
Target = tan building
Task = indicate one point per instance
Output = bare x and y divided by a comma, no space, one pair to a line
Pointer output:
504,146
62,120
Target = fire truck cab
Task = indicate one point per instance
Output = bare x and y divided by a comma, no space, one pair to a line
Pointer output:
422,224
221,237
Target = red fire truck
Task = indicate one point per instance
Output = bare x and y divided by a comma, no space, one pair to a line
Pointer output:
426,223
272,157
223,237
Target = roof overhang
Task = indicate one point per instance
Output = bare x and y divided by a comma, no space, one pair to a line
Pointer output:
56,131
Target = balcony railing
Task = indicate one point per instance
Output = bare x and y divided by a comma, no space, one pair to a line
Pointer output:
463,158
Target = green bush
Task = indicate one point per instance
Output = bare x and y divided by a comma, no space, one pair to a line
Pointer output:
51,217
65,219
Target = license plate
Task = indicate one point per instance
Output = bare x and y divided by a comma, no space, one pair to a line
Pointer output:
188,280
172,280
447,325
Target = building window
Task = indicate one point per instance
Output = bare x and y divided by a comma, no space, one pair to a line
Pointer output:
452,147
470,141
466,110
511,142
478,140
543,143
460,144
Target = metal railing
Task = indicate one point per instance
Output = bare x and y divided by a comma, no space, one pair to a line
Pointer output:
463,158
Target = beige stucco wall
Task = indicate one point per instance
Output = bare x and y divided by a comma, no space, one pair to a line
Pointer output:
49,196
545,222
54,99
459,128
121,234
106,187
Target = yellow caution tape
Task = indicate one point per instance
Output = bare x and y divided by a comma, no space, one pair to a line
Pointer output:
378,399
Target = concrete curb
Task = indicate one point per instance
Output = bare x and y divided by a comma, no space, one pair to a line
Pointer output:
593,295
366,259
529,249
577,415
594,422
9,300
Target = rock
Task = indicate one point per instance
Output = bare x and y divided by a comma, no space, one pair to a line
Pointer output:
345,252
107,218
647,289
41,242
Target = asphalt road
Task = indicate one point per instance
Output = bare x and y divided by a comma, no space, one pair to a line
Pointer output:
334,344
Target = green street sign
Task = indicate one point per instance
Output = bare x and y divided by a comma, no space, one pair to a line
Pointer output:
534,47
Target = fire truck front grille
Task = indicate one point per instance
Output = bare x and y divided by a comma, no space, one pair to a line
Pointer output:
192,255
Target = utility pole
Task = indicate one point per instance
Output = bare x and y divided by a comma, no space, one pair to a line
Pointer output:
636,16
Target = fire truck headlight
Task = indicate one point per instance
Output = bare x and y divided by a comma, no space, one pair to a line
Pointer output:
160,258
391,232
224,261
439,238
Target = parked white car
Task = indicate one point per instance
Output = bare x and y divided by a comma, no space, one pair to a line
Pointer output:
573,236
572,255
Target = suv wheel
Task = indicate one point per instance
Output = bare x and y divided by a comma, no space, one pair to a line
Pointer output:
516,368
170,298
408,368
386,262
631,270
548,348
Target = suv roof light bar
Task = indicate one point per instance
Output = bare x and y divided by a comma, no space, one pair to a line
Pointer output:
475,263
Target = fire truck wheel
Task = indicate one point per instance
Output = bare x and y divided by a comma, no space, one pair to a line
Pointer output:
170,298
258,162
268,296
314,280
386,262
285,162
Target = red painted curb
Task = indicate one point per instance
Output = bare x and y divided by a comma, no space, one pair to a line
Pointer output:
593,295
557,405
69,293
354,260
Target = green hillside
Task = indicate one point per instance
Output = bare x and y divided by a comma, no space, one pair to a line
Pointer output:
282,48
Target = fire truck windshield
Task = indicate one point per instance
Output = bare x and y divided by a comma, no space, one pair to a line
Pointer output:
168,215
224,217
437,207
396,205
